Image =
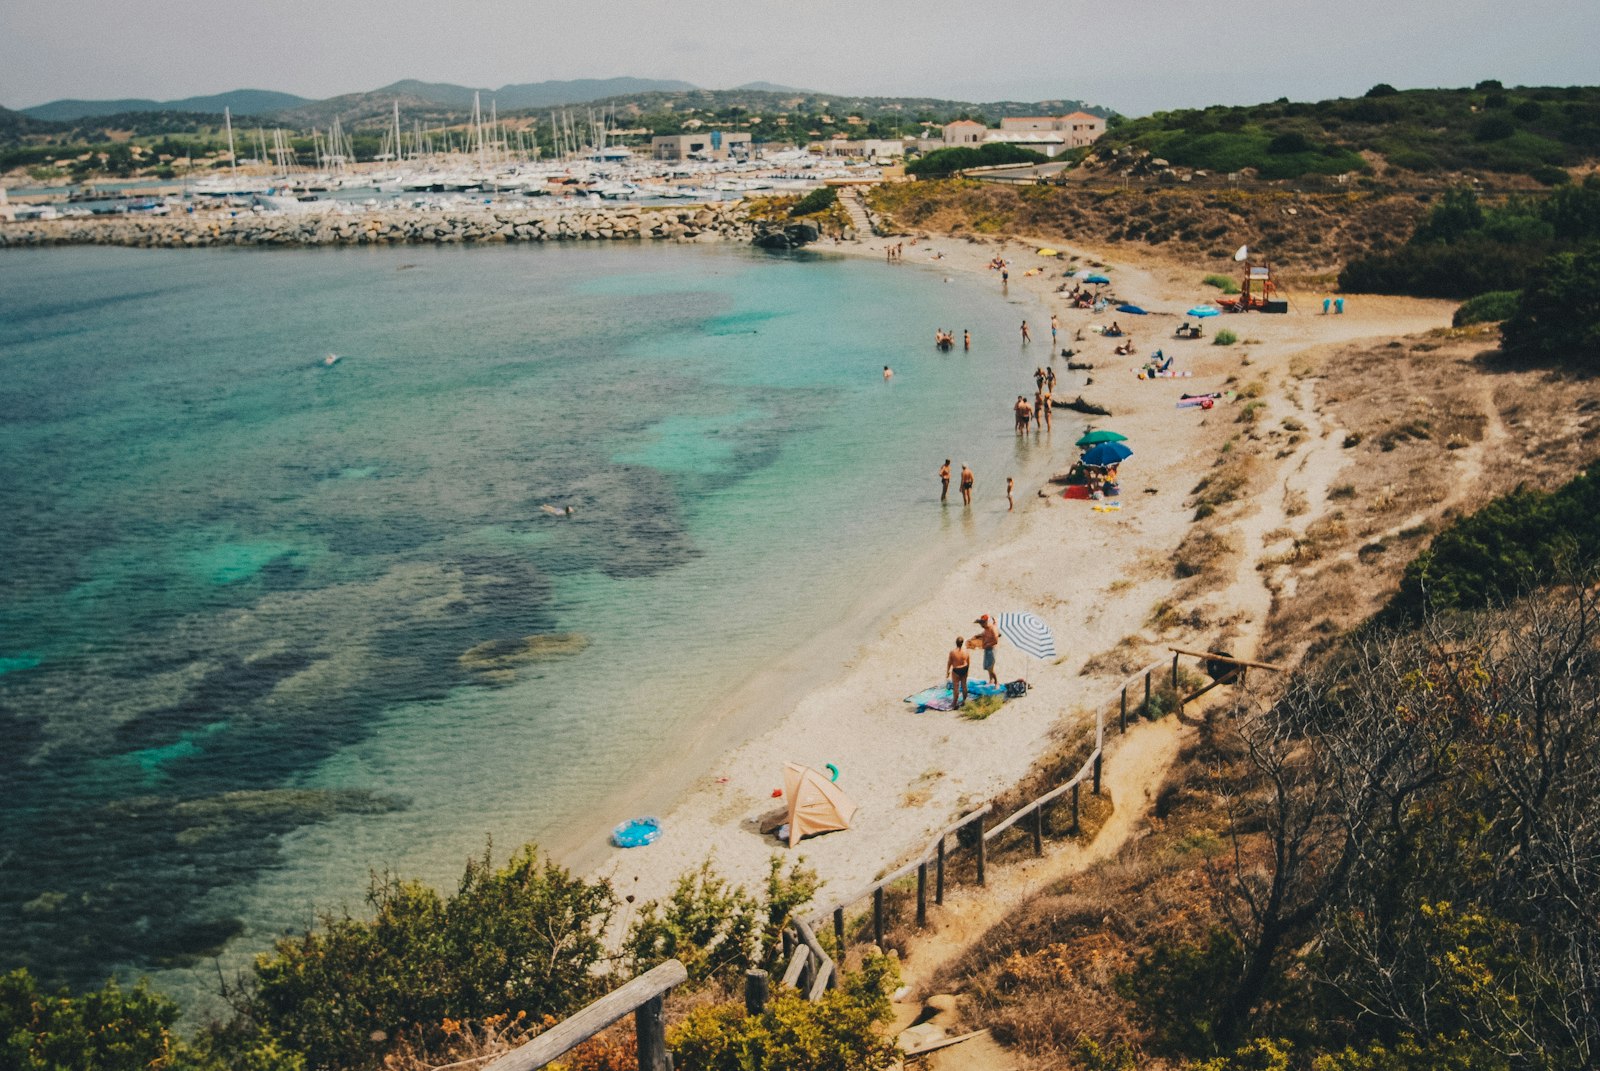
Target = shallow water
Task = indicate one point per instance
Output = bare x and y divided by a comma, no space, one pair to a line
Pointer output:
264,619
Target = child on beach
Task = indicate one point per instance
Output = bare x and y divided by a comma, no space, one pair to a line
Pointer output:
1010,504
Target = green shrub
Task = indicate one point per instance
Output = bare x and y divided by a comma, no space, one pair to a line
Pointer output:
522,938
1225,283
716,929
1557,318
837,1033
1224,337
1492,307
1196,978
959,158
110,1029
818,200
1504,549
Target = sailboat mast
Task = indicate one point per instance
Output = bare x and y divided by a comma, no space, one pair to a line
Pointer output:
233,157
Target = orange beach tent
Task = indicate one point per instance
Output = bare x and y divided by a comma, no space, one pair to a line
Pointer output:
816,804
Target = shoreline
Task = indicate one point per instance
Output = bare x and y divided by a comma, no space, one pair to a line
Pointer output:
1093,576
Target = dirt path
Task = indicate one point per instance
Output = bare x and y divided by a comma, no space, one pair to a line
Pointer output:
1135,765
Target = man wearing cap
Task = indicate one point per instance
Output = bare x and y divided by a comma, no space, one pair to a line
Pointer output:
987,639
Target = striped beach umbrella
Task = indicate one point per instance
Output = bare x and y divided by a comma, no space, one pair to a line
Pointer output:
1028,633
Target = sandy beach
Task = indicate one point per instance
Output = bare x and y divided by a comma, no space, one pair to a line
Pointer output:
1094,576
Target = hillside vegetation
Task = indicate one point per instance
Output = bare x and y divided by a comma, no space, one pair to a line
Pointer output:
1314,233
1535,132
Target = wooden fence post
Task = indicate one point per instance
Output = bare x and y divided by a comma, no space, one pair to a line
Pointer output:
1123,718
1146,710
1038,830
838,928
788,944
983,848
1099,757
938,875
756,987
650,1029
1174,671
922,896
877,916
1076,827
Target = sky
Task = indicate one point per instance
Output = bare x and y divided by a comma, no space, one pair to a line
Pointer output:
1136,56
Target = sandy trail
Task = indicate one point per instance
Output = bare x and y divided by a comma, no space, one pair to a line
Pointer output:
1135,766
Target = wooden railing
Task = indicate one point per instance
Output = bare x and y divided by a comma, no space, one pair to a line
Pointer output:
644,997
810,968
814,970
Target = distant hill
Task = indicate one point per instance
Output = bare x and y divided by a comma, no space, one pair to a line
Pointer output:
770,87
1533,131
240,101
437,101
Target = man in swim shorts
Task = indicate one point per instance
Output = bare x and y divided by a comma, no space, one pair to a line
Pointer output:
987,639
944,480
956,667
966,484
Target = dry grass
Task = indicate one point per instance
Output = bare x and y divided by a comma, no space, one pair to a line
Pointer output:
1203,554
1412,410
1129,654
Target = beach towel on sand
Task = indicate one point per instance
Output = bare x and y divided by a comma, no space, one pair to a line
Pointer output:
939,697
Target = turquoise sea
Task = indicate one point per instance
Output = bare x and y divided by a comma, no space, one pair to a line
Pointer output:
268,622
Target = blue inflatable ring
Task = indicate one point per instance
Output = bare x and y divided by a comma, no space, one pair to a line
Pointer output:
636,832
832,769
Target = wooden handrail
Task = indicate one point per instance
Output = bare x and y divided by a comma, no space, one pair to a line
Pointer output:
1214,656
927,856
1028,808
585,1024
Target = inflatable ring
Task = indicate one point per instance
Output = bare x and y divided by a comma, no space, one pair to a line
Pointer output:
636,832
832,769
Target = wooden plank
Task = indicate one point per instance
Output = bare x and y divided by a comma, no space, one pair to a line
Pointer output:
796,965
944,1043
757,985
922,896
588,1022
650,1032
1215,657
820,985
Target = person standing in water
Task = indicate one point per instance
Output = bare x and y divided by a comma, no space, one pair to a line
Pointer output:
1055,325
966,484
944,480
1027,337
888,373
1010,485
966,339
956,666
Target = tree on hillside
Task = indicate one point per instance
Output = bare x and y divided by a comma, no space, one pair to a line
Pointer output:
1558,318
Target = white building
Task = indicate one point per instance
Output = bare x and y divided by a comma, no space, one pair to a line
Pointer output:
1078,128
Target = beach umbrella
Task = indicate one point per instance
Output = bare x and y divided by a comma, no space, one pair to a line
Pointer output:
1202,311
1103,454
1106,435
1095,278
1049,253
1028,634
1132,310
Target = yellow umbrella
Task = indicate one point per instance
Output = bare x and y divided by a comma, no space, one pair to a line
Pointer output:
1049,253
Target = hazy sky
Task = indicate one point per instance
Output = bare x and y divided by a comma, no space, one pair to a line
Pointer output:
1133,55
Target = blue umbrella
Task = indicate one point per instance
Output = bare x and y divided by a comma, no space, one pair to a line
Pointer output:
1202,311
1133,310
1095,279
1105,454
1028,634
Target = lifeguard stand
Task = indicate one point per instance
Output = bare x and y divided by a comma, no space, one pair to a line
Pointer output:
1258,289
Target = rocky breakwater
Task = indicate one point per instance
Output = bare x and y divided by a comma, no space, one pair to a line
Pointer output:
726,221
